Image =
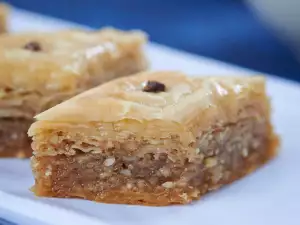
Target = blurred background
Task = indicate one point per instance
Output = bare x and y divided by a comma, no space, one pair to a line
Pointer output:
258,34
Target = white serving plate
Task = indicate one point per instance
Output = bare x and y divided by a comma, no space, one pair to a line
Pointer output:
269,196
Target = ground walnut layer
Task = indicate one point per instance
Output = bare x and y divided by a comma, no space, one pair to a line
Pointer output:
156,138
154,178
14,141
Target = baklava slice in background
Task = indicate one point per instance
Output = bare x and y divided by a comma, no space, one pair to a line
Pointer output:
40,70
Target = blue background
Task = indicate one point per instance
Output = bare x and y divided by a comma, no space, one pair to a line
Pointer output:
222,29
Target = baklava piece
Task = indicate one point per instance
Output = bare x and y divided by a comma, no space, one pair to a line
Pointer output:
156,138
40,70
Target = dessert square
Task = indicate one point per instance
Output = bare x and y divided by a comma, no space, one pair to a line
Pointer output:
156,138
40,70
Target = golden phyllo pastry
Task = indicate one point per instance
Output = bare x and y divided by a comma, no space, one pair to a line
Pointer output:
155,138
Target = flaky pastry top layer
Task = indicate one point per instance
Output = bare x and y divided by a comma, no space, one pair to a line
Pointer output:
186,102
64,59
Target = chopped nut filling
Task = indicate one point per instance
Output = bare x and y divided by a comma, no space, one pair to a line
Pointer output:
93,175
13,138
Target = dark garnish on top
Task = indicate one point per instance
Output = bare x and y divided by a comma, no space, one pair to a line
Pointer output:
33,46
154,86
8,89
